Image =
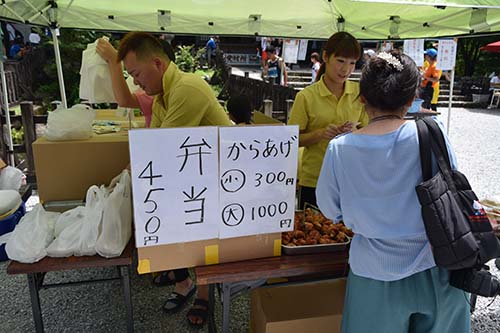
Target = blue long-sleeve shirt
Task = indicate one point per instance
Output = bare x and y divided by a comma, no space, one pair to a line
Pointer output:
369,182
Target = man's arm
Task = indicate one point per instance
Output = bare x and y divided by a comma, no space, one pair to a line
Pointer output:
285,74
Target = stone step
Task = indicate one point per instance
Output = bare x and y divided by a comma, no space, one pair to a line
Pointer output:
462,104
294,78
298,84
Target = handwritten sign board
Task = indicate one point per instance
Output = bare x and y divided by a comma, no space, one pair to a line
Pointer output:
175,184
414,48
447,52
258,168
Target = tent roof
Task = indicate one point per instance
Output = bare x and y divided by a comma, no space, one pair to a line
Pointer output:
366,19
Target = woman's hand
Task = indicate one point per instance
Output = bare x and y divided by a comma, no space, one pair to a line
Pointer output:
106,50
330,131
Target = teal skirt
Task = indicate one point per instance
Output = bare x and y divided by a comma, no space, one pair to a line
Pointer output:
423,302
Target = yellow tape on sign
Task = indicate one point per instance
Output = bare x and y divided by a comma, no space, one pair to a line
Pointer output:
277,247
144,266
211,254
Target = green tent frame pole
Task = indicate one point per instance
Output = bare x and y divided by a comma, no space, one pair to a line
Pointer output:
7,113
60,76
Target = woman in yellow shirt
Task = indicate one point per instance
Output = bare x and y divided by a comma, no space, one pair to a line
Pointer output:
327,108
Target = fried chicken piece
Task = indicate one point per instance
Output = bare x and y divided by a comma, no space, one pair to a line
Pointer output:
308,226
298,234
314,234
341,237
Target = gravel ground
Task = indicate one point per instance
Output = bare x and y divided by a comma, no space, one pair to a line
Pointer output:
100,308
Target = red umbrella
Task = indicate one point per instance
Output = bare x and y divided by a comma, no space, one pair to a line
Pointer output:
492,47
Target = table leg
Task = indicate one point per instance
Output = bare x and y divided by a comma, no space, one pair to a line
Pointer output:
472,302
125,278
35,302
212,328
226,306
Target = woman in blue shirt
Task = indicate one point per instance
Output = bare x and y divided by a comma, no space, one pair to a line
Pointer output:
368,180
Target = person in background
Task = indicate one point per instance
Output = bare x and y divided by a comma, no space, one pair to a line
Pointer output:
495,82
239,109
275,69
182,100
211,47
367,55
264,42
315,67
17,50
326,109
368,180
431,77
34,38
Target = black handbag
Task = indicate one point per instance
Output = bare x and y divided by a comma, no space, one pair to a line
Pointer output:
456,225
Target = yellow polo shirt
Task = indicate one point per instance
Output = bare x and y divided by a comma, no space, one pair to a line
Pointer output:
187,101
316,107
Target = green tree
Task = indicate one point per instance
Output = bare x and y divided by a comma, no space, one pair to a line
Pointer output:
470,58
187,59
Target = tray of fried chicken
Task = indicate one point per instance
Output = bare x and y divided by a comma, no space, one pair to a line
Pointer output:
314,233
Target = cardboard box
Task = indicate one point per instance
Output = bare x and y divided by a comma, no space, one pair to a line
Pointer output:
2,164
66,169
207,252
309,307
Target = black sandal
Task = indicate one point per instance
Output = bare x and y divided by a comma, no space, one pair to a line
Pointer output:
178,300
198,312
163,279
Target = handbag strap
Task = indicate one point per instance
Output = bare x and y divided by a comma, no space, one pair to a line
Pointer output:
424,144
440,152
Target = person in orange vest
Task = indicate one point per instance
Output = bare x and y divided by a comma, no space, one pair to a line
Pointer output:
431,78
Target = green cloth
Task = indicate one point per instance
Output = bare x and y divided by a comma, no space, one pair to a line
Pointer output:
365,19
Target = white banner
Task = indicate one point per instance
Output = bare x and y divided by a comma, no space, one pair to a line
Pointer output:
175,184
414,48
302,49
258,168
447,53
290,50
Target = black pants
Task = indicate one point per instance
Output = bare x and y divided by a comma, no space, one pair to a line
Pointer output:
426,94
307,194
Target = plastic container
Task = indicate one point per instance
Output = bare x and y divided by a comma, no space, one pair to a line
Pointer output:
416,105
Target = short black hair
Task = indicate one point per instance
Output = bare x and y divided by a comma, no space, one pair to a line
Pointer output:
270,49
240,109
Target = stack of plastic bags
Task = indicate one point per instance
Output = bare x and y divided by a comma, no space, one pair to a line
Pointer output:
74,123
103,226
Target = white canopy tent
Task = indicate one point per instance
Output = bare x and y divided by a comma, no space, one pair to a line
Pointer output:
365,19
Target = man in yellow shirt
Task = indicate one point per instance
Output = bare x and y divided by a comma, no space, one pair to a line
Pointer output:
182,100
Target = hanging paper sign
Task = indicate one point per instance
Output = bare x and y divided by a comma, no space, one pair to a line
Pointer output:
258,168
447,52
175,184
414,48
290,50
302,49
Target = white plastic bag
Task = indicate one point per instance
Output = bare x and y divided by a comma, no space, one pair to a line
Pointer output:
70,124
68,227
94,206
11,178
95,77
31,236
116,227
